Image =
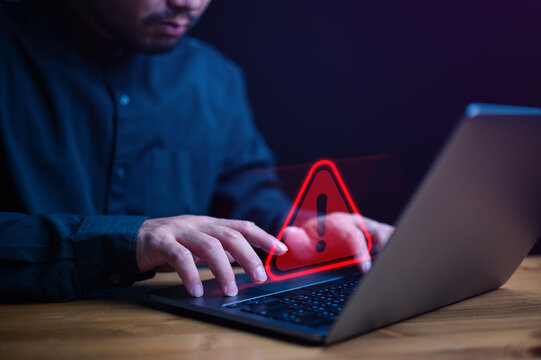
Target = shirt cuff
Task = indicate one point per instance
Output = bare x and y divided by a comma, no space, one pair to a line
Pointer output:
105,249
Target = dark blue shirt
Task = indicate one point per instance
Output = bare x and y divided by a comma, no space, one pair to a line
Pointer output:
95,139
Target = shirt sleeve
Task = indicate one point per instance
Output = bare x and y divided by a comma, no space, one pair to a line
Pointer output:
248,187
60,257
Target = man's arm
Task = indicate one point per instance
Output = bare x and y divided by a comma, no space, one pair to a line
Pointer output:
62,257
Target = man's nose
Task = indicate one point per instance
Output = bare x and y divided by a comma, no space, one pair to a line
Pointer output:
185,4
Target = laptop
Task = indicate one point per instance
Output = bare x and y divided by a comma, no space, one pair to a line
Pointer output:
466,229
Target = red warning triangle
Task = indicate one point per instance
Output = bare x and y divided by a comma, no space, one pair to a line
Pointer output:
315,241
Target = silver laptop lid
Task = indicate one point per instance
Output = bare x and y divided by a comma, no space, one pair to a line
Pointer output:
472,220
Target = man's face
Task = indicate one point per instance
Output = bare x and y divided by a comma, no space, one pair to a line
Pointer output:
151,26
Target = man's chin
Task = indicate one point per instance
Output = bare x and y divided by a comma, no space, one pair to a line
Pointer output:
155,45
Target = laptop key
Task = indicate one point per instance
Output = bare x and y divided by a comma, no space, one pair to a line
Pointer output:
260,307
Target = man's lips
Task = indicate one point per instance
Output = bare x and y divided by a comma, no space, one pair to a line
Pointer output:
170,28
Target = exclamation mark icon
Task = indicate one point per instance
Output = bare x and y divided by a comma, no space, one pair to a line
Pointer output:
321,203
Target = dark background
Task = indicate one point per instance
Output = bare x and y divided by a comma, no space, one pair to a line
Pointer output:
341,79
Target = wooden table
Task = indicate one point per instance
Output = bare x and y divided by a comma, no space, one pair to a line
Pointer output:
121,323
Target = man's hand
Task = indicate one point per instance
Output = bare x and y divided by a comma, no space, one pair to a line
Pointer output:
342,235
182,242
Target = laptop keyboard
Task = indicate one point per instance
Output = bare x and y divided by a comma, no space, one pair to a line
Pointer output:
314,306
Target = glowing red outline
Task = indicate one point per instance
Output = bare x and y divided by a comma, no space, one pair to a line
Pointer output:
294,207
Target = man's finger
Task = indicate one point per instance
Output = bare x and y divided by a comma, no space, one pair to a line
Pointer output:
235,243
212,252
380,233
230,257
299,243
256,236
181,259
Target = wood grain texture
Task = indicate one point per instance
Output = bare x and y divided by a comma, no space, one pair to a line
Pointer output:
120,324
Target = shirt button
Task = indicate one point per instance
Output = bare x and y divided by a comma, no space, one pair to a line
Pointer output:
114,278
124,99
121,173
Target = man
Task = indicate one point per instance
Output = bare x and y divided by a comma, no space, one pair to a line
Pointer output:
114,122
